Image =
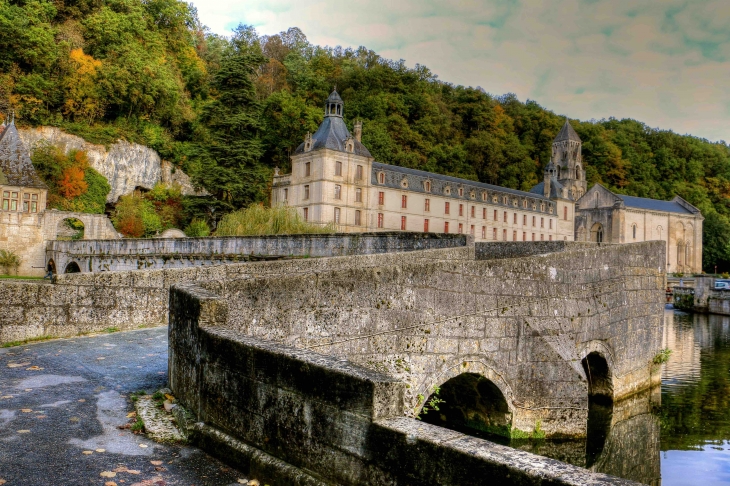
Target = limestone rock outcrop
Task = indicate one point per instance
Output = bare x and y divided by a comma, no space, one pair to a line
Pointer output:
125,165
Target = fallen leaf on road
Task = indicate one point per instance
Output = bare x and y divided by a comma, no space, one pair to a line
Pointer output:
160,468
143,446
74,419
100,358
82,400
26,410
110,483
41,416
28,389
6,396
101,450
108,474
131,414
87,452
17,365
24,431
33,368
2,481
156,463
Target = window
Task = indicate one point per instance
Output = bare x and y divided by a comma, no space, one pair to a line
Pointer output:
461,191
634,230
565,212
504,235
381,198
446,227
403,223
524,203
524,220
514,236
306,214
425,226
427,186
13,201
404,201
6,200
473,210
542,237
427,205
494,233
338,191
338,168
307,169
358,195
542,222
358,173
381,178
533,221
306,192
495,215
461,210
484,232
447,208
504,216
484,198
358,218
286,194
550,237
380,220
337,215
533,236
551,224
484,213
472,230
461,228
514,219
524,236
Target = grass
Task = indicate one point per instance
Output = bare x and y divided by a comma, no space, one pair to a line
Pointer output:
257,220
12,344
20,277
138,426
110,330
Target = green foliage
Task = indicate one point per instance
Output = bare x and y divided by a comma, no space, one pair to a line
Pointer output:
197,228
259,220
143,216
662,356
10,261
432,404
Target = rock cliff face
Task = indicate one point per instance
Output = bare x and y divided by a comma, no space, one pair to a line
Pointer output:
125,165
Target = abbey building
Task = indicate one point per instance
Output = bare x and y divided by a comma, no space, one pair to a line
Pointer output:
335,179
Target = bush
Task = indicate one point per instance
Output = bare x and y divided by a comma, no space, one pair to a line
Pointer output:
135,217
197,228
259,220
10,260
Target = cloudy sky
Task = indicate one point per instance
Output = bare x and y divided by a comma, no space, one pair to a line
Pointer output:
664,62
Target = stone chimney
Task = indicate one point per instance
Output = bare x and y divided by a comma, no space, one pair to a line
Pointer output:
358,131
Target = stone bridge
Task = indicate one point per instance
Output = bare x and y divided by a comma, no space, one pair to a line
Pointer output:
516,338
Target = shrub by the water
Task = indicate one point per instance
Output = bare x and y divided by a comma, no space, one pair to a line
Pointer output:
197,228
259,220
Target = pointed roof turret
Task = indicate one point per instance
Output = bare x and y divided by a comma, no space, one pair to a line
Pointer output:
335,106
15,161
567,133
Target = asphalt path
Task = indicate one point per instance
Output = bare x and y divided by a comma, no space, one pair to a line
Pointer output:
61,403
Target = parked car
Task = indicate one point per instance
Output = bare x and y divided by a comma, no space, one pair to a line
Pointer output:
722,284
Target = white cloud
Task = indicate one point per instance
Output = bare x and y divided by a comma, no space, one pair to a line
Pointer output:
659,61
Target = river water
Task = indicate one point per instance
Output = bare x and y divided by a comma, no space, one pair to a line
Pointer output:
674,436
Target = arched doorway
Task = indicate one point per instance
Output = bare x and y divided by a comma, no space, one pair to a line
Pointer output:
597,233
600,404
471,404
70,229
72,267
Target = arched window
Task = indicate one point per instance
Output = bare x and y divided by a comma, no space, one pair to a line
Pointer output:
597,233
577,172
634,230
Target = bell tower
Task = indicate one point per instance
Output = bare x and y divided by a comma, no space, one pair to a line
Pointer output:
568,159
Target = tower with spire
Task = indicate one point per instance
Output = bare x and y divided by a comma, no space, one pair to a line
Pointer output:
567,160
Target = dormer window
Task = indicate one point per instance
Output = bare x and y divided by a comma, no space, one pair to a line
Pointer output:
350,145
461,192
381,178
447,190
504,200
484,196
473,195
404,183
427,186
308,142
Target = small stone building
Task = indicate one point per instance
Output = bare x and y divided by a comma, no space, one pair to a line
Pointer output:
25,224
602,216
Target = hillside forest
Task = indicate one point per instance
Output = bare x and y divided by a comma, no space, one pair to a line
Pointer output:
227,110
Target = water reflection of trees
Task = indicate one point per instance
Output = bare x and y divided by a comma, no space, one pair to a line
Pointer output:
696,406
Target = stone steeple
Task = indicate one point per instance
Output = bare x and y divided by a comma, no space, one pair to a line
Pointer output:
568,159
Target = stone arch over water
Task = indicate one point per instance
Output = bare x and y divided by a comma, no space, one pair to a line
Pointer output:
72,267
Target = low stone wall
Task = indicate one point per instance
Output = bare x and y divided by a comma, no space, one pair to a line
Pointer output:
518,249
158,253
295,417
91,302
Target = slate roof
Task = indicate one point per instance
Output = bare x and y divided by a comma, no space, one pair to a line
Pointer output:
332,134
653,204
555,188
394,176
15,164
567,133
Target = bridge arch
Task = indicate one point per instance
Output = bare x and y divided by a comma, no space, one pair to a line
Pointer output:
72,267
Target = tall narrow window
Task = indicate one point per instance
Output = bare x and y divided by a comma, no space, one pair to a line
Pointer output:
380,220
514,236
338,168
565,212
533,221
461,191
306,214
403,223
524,236
514,218
542,237
551,224
494,233
338,191
427,186
484,213
542,222
524,220
461,228
550,237
447,208
484,232
427,205
505,216
6,200
381,178
473,211
533,236
337,215
13,201
307,169
306,192
495,215
634,229
358,218
425,226
446,227
472,230
286,194
504,235
358,195
26,201
358,173
381,198
404,201
461,210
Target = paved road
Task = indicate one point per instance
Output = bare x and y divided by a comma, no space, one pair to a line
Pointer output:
69,395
